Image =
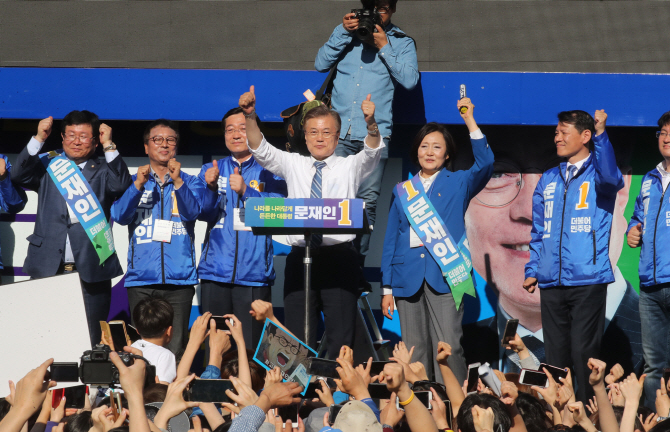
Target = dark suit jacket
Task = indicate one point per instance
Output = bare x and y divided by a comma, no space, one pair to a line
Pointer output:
52,226
621,343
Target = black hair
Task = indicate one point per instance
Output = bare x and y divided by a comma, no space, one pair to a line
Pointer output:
154,392
230,367
4,408
664,120
160,122
82,117
322,111
153,316
532,412
581,120
81,422
501,421
427,129
232,112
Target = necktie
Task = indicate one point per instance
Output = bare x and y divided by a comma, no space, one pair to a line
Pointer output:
315,192
572,170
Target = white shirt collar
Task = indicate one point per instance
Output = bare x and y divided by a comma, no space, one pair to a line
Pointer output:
579,163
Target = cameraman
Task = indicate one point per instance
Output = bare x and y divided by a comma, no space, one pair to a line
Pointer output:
373,66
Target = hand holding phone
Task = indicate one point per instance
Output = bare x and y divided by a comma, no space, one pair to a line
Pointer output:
473,378
510,331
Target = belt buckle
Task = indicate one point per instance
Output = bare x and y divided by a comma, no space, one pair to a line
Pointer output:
68,267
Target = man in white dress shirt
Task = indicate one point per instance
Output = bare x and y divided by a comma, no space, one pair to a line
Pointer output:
335,266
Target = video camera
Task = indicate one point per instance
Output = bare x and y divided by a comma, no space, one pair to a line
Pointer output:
368,18
97,368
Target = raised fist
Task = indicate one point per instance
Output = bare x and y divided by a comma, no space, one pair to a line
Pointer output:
600,118
174,168
105,135
44,129
143,174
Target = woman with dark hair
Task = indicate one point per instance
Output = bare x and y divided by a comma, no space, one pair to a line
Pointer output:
426,264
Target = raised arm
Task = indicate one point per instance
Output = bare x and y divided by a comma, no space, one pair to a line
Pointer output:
480,172
338,41
608,421
29,170
199,331
608,177
123,209
453,387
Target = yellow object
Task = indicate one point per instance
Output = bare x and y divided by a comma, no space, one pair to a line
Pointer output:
408,401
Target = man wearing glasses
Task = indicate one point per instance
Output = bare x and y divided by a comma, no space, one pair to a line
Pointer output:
375,65
160,209
335,269
236,266
75,192
649,228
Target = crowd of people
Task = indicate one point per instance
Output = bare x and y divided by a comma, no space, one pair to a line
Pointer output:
427,265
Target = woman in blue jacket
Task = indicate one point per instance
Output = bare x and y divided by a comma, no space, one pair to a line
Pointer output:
418,253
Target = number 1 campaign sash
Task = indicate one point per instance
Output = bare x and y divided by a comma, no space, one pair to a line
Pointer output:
74,187
453,258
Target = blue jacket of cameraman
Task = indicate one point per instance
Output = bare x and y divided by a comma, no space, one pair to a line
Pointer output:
155,262
229,256
12,199
572,222
652,210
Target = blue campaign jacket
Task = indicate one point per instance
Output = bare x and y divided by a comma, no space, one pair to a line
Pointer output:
152,262
236,257
652,210
404,268
12,199
571,224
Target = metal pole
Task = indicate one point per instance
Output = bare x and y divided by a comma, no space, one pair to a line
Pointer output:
308,280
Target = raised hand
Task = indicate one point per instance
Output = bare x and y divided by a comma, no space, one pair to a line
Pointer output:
615,373
235,328
379,38
44,129
634,237
600,119
174,169
143,174
401,353
368,108
349,22
597,372
482,419
662,400
509,393
351,381
174,402
391,415
105,135
273,376
261,310
347,354
248,101
212,176
200,329
443,353
31,390
550,393
237,182
325,396
465,102
631,387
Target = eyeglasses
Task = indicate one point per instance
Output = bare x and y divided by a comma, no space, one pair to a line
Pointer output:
662,134
383,10
82,138
502,189
283,342
316,133
241,131
158,140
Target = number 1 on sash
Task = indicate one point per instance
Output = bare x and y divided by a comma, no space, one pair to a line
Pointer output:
411,192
